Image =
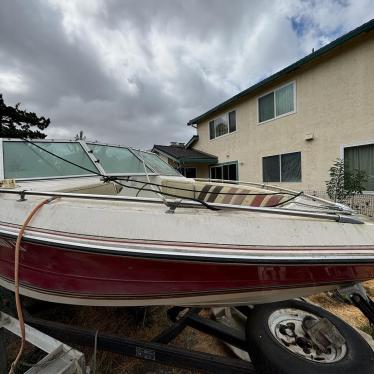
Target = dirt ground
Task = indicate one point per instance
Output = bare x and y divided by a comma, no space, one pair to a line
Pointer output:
146,323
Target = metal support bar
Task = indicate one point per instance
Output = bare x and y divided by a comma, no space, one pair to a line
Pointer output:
152,351
220,331
174,330
365,305
358,296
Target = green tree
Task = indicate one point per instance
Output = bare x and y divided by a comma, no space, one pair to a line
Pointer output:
344,183
335,186
355,181
18,123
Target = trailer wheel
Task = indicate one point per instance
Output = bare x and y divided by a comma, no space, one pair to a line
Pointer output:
278,344
7,301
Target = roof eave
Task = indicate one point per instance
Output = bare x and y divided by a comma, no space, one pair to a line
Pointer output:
366,27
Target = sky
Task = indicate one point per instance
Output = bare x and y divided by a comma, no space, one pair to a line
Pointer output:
134,72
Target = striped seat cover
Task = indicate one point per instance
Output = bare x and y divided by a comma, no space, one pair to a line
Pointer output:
224,193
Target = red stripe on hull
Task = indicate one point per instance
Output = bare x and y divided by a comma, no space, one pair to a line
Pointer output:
98,274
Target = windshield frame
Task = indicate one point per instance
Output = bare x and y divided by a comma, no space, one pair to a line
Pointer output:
97,162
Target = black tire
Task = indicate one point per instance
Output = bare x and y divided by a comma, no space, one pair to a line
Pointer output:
7,301
271,357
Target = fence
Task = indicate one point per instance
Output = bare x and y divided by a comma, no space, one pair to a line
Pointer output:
362,203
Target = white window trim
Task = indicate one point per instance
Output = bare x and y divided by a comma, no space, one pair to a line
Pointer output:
228,133
344,146
280,168
275,109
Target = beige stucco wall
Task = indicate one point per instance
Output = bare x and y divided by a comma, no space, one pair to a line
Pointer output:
334,101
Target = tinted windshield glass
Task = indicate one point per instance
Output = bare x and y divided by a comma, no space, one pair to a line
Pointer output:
155,162
117,160
24,160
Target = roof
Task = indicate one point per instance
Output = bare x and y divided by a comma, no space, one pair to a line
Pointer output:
181,154
192,141
366,27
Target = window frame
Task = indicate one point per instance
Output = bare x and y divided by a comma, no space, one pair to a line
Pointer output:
223,164
184,170
280,168
363,143
275,109
226,114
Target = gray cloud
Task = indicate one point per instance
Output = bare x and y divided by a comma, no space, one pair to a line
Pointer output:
134,72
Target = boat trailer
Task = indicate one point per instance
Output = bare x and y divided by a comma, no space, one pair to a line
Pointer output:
60,357
158,350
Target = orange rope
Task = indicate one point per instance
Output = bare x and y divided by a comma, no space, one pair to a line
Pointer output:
16,281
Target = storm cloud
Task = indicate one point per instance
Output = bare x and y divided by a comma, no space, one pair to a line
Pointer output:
135,71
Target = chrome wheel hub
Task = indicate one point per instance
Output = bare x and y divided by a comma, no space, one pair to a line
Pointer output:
286,326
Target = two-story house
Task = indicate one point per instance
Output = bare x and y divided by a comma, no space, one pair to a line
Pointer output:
289,128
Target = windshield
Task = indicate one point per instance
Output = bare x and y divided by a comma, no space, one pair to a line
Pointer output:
158,165
117,160
24,160
29,160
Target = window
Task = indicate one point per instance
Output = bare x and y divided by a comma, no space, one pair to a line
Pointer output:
225,171
282,168
277,103
24,160
270,169
188,172
222,125
361,158
232,121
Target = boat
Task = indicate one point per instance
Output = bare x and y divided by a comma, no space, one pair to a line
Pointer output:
117,226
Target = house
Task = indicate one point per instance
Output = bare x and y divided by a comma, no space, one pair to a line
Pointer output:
289,128
190,162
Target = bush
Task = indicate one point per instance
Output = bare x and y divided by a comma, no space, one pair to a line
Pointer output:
344,184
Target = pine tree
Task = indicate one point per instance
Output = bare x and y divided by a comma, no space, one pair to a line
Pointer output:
18,123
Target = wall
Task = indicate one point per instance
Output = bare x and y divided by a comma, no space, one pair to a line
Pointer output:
334,101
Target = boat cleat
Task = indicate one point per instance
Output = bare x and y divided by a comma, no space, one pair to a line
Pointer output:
173,205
